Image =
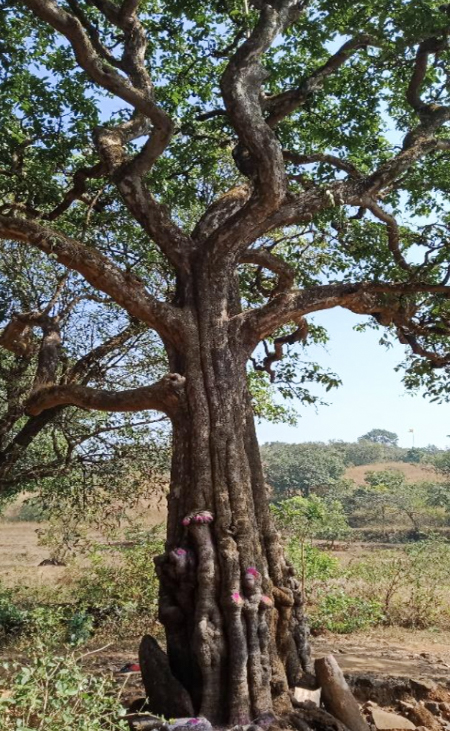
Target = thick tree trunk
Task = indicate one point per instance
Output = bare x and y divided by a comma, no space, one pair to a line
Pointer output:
230,605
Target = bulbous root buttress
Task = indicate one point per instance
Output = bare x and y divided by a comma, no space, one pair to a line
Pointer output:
232,636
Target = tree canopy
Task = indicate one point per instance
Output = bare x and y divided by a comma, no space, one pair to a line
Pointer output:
381,436
360,126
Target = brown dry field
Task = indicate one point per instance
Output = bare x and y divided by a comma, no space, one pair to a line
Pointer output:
412,472
21,553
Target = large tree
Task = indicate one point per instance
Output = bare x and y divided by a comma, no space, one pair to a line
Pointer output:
220,171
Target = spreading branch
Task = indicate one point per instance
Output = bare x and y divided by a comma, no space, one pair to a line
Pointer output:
164,395
381,300
336,162
80,373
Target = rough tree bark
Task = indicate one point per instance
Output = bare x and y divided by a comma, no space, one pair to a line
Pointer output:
230,605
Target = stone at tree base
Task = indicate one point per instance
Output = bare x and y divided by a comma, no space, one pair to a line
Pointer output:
307,716
387,721
145,722
148,722
337,696
433,707
190,724
304,694
406,706
422,717
422,687
166,696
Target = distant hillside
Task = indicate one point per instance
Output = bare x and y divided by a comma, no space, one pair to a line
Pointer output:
412,472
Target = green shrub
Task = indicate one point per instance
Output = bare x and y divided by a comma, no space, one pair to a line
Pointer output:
12,617
55,694
123,586
31,511
80,628
51,624
339,612
320,567
412,582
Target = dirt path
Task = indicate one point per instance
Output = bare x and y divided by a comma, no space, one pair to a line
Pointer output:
391,651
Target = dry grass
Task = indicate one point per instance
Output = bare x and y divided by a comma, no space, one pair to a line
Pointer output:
412,472
21,554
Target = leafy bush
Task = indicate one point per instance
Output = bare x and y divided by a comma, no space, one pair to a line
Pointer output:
125,587
80,628
31,511
12,617
119,586
55,694
320,567
342,613
51,624
413,583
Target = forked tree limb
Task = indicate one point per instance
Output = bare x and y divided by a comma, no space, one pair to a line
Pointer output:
87,58
393,232
426,48
266,260
241,86
136,89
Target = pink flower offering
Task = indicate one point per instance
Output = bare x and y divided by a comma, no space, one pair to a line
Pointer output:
252,571
236,597
180,552
266,600
185,521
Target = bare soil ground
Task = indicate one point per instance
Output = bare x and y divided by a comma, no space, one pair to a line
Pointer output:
391,651
385,651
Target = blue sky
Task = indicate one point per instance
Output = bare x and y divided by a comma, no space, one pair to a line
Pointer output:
372,394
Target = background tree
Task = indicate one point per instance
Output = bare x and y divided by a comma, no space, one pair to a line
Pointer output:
380,436
219,174
293,469
388,497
